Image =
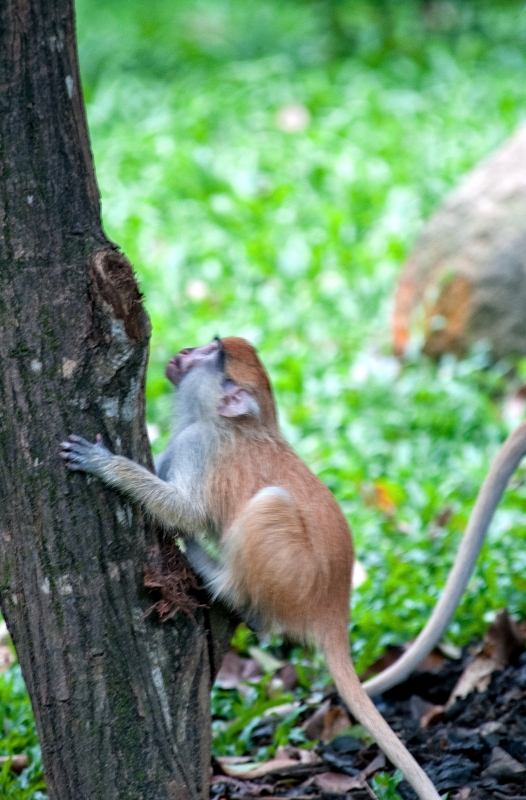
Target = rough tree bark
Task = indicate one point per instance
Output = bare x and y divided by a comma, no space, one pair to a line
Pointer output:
121,702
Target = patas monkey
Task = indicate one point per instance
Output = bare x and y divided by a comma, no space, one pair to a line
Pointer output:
286,553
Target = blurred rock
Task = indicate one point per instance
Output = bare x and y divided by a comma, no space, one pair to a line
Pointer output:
467,273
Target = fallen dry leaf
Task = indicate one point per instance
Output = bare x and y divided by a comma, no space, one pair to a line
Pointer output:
477,675
301,755
250,770
463,794
336,782
248,788
288,676
500,644
376,764
502,765
388,658
503,639
309,757
233,759
418,706
313,726
449,650
236,670
432,716
282,710
229,675
433,662
335,722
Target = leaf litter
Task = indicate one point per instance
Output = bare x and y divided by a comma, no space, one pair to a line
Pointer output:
463,718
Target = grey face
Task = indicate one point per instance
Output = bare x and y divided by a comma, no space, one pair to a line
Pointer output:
182,363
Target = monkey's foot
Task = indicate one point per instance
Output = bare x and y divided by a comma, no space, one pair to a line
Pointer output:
208,569
204,566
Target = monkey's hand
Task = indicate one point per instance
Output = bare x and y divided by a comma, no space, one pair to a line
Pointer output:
83,456
173,505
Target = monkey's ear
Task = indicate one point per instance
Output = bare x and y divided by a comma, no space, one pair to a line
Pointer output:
237,402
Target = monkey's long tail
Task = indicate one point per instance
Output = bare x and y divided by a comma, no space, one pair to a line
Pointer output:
336,648
505,464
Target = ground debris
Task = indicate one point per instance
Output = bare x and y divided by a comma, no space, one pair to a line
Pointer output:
475,749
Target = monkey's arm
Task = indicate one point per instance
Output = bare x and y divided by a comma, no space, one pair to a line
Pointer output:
505,464
167,502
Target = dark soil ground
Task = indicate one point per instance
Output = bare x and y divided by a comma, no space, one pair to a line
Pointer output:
480,744
477,750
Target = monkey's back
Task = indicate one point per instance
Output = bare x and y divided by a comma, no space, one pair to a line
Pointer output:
296,555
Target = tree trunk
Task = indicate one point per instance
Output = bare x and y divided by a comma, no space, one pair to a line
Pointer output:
121,702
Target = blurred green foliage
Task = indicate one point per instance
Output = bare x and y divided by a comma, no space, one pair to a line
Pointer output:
384,785
18,735
266,167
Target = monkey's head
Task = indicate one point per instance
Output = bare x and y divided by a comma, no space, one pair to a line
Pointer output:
227,376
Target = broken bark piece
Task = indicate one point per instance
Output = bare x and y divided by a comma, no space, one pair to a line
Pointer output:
169,574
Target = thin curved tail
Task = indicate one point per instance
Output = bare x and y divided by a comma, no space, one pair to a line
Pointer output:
505,464
336,648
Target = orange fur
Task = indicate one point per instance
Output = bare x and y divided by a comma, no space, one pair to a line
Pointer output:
244,367
295,557
287,548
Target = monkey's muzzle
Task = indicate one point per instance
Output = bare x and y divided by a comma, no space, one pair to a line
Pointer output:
185,360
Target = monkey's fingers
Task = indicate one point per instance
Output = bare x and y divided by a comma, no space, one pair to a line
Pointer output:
71,462
76,452
77,440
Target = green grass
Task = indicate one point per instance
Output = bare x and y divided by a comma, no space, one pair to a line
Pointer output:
295,239
18,735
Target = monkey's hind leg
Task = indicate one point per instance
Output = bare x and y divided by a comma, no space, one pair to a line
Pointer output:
268,564
210,571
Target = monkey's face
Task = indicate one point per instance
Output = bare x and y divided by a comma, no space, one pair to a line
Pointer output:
224,379
182,363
